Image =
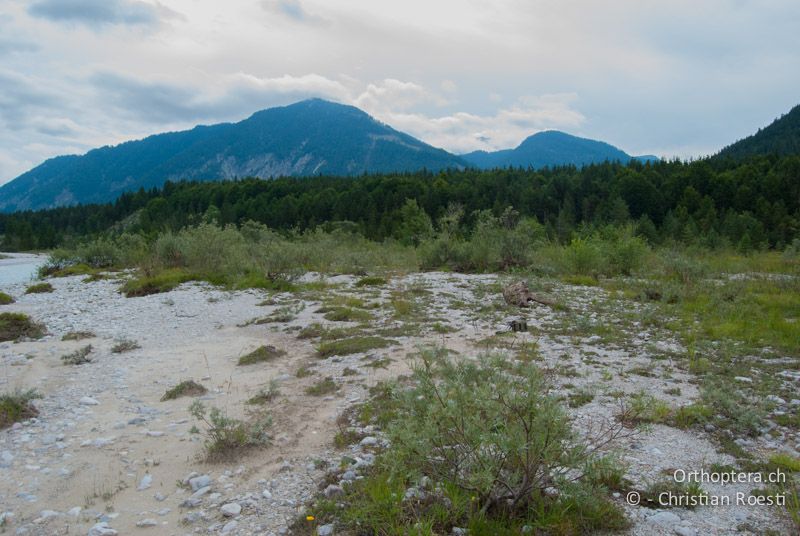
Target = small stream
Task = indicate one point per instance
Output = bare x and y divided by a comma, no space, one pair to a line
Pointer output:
19,267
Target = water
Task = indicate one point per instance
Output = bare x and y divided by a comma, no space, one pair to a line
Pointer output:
19,268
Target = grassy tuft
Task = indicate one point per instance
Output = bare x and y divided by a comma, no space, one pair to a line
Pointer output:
346,314
371,281
155,284
227,437
185,388
322,387
5,299
16,406
352,345
260,355
16,326
39,288
78,357
78,336
124,345
265,394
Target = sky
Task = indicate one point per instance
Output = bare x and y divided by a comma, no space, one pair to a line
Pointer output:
676,79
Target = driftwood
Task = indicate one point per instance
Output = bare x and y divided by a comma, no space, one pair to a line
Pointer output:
520,295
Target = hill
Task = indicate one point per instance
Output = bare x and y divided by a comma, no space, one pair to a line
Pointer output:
551,148
312,137
782,137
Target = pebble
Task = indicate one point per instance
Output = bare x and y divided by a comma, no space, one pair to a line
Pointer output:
229,526
102,529
325,530
88,401
231,509
685,531
199,482
369,441
147,523
333,491
145,482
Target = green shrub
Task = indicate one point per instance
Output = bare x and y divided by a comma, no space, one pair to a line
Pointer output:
161,282
78,336
17,406
184,388
15,326
323,387
39,288
265,394
260,355
346,314
371,281
5,299
226,437
78,357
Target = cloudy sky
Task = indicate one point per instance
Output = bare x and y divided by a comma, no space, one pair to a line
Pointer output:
678,78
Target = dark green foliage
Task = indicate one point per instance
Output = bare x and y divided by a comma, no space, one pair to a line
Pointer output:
782,137
39,288
5,299
185,388
15,326
716,202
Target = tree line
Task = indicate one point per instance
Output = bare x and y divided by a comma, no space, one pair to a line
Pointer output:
712,202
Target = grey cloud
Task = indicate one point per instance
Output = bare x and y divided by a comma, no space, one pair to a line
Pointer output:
10,46
97,12
20,98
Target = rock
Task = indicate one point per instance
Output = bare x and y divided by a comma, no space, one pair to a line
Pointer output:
349,476
333,491
776,399
685,531
145,482
231,509
413,494
325,530
199,482
74,512
266,494
88,401
369,441
191,502
160,497
229,526
147,523
102,529
202,491
458,531
664,519
743,379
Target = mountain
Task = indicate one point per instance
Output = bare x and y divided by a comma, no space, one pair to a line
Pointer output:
306,138
551,148
782,137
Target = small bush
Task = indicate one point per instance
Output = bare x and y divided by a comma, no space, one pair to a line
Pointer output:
16,326
225,436
124,345
78,336
322,387
5,299
185,388
352,345
15,407
260,355
78,357
371,281
39,288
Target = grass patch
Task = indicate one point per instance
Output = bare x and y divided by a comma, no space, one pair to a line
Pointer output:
124,345
304,372
784,461
371,281
17,406
322,387
5,299
185,388
162,282
265,394
346,314
581,398
16,326
78,336
39,288
78,357
261,354
439,327
353,345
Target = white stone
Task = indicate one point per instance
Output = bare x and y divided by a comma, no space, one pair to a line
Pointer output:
88,401
102,529
145,482
231,509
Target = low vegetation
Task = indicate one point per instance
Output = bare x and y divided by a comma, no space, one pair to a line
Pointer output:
323,387
124,345
261,354
78,336
5,299
184,388
17,406
17,326
265,394
39,288
353,345
78,357
478,445
227,437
